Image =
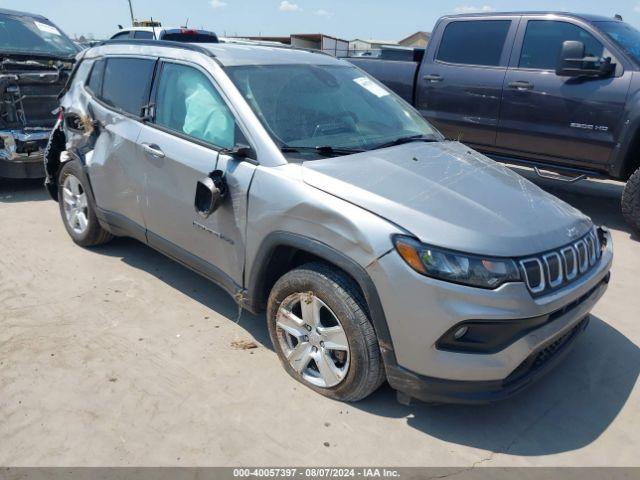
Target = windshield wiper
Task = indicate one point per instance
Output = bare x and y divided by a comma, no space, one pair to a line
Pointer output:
407,139
324,150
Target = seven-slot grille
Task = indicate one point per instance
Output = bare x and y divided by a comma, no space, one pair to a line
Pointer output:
551,270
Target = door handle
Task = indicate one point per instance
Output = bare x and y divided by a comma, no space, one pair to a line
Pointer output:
153,150
433,78
521,85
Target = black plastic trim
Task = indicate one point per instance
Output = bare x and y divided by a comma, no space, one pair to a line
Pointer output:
505,332
256,301
438,390
120,225
195,263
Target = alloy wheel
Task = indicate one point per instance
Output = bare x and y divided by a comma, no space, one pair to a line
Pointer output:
313,340
75,204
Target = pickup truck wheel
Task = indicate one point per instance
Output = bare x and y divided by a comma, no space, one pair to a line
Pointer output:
631,201
320,329
77,208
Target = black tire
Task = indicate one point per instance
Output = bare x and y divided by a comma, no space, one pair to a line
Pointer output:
339,293
93,234
631,201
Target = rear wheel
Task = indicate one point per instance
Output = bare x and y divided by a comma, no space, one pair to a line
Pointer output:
631,201
77,208
320,329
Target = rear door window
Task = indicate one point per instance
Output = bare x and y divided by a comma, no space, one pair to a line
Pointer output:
475,42
126,83
543,42
189,104
190,36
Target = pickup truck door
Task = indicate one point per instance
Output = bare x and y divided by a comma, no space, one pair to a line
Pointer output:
459,84
560,120
184,143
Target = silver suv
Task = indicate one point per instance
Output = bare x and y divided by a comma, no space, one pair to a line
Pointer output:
305,188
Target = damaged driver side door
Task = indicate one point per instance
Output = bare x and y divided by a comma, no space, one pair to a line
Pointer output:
183,146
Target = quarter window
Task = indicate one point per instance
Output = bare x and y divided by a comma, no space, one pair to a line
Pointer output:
95,80
126,83
476,42
143,35
121,35
188,103
543,42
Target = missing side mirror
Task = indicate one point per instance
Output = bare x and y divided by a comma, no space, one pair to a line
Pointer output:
241,151
210,193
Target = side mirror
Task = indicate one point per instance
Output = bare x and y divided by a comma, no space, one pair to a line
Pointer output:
210,193
573,63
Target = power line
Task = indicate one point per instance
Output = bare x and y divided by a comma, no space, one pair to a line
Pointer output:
131,12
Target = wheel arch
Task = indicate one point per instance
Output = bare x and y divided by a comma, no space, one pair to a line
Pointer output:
627,153
632,157
280,252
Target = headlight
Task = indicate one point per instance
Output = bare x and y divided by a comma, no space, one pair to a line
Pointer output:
473,270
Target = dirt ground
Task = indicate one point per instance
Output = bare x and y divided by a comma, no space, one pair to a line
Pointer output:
118,356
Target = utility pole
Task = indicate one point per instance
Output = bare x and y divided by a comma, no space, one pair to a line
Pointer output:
133,20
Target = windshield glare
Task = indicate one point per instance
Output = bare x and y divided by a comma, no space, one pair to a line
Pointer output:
28,35
308,106
624,35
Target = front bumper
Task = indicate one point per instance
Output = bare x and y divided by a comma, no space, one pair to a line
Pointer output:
21,153
419,310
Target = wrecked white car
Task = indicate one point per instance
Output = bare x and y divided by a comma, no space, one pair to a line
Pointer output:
36,59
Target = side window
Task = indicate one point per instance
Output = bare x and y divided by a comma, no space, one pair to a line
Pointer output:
474,42
543,42
143,35
121,36
95,79
188,103
126,83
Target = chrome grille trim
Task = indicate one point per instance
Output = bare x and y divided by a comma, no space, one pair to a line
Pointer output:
574,271
542,285
574,260
597,239
591,244
583,255
560,278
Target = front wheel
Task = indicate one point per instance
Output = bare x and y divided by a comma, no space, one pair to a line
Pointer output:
631,201
320,329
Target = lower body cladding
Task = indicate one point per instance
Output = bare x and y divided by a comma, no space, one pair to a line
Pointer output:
21,153
510,339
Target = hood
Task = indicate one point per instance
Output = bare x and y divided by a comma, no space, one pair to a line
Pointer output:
450,196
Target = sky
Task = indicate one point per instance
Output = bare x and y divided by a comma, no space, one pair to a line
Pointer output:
347,19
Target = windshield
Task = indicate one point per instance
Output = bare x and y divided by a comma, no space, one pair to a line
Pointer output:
337,106
38,36
624,35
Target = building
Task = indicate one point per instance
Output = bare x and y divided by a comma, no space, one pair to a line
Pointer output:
314,41
417,40
359,45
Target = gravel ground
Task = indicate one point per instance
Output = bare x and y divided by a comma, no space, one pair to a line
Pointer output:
118,356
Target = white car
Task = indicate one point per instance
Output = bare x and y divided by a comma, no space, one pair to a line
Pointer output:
179,34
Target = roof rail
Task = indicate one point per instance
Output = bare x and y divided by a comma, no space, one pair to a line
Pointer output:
159,43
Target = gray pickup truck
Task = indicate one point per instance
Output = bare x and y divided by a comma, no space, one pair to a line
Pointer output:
556,91
305,188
